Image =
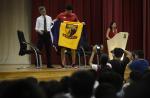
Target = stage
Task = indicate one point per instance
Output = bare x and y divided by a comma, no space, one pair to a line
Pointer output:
11,72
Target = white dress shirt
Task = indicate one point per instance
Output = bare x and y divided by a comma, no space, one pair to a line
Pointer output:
95,66
40,25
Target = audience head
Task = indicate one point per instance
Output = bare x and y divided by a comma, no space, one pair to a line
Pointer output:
146,76
93,73
138,90
32,80
4,85
105,90
23,89
118,52
65,82
139,54
135,76
111,78
81,84
51,88
104,59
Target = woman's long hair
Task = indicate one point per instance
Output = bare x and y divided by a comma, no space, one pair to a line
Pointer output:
112,22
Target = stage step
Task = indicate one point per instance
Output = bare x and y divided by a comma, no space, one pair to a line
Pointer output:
11,72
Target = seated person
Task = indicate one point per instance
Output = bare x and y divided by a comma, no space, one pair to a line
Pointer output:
104,65
119,65
139,64
81,84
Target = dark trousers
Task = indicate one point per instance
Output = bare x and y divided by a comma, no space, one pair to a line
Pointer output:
44,40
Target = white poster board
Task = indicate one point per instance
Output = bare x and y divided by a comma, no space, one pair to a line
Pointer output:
118,41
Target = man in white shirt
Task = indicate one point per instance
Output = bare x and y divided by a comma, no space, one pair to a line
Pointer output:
45,37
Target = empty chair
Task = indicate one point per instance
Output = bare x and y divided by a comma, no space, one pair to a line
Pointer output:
23,49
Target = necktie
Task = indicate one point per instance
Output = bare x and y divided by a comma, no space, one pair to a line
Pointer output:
45,25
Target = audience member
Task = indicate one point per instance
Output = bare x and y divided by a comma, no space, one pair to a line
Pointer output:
51,88
139,64
112,78
65,82
23,89
118,64
105,90
104,65
81,84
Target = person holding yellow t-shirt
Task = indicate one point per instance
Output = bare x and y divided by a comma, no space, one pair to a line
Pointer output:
68,15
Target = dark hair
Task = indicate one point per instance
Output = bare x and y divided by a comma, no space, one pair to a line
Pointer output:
81,84
41,8
139,53
65,82
146,76
23,89
118,52
138,90
32,80
110,26
51,88
112,78
135,75
4,85
69,7
104,59
93,73
105,90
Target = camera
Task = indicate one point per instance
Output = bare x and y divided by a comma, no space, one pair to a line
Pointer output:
98,47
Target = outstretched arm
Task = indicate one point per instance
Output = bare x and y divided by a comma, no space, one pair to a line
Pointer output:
92,55
128,54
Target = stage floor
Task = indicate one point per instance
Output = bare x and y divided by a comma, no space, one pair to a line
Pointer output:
10,72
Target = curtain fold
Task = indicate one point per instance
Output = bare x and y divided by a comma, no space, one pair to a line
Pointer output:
146,28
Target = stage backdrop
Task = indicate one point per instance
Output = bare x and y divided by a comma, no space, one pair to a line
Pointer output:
132,16
14,15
